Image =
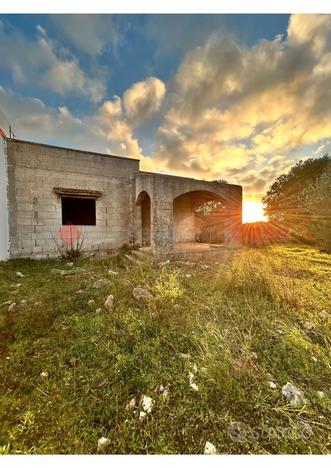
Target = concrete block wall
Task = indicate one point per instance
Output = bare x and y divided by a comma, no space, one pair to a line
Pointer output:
4,221
35,213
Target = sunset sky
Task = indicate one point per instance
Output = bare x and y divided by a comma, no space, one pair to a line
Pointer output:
234,97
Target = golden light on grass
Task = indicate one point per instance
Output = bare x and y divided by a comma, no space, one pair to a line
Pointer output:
253,212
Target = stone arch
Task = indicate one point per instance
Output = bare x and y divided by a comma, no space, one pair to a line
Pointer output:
189,225
143,218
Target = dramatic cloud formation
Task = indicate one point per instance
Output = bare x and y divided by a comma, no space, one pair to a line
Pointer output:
41,60
232,105
245,113
143,99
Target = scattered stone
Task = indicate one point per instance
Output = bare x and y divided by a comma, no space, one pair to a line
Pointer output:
193,385
99,283
293,395
210,449
91,302
254,355
44,375
280,332
103,443
70,264
131,404
308,326
141,294
320,394
23,302
6,303
109,302
98,310
306,429
185,356
272,385
36,304
147,403
18,285
112,272
324,315
314,358
19,274
142,416
12,306
194,368
163,390
188,275
80,291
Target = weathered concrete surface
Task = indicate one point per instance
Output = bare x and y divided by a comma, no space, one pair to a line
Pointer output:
134,206
4,221
35,210
169,207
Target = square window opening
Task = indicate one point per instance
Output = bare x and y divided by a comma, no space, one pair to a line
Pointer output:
78,211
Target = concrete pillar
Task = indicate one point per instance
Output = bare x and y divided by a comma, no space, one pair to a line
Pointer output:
4,215
162,227
233,222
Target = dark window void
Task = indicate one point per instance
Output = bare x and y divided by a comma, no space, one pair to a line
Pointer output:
79,211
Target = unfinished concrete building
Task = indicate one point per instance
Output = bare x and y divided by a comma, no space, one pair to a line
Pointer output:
45,187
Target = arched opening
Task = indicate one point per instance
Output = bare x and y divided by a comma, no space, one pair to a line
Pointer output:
144,219
199,216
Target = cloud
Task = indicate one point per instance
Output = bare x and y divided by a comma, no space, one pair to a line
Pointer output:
233,106
91,34
41,60
115,128
143,99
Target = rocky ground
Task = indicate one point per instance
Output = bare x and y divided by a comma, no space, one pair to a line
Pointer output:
126,356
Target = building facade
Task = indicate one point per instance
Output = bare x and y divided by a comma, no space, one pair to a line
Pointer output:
44,188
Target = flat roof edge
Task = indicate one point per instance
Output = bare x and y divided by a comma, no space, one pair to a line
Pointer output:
106,155
187,178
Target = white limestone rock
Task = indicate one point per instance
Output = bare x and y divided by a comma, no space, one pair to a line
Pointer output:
320,394
210,449
103,443
91,302
112,272
142,416
293,395
131,405
19,274
147,403
109,302
44,375
12,306
272,385
70,264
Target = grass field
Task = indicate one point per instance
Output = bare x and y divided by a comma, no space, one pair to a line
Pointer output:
68,370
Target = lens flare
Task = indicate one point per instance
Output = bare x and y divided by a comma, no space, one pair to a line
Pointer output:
253,211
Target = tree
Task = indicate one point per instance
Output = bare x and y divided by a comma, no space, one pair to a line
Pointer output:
317,200
285,202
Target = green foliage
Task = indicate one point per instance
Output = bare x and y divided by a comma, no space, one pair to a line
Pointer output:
291,201
68,370
317,202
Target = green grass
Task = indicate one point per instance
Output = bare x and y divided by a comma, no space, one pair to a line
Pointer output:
238,322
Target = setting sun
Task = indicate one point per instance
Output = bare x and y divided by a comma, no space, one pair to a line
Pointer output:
253,212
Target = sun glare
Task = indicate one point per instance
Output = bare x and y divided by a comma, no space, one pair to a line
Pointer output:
253,212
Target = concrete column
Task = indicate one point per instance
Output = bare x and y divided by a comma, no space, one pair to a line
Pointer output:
162,227
233,221
4,216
